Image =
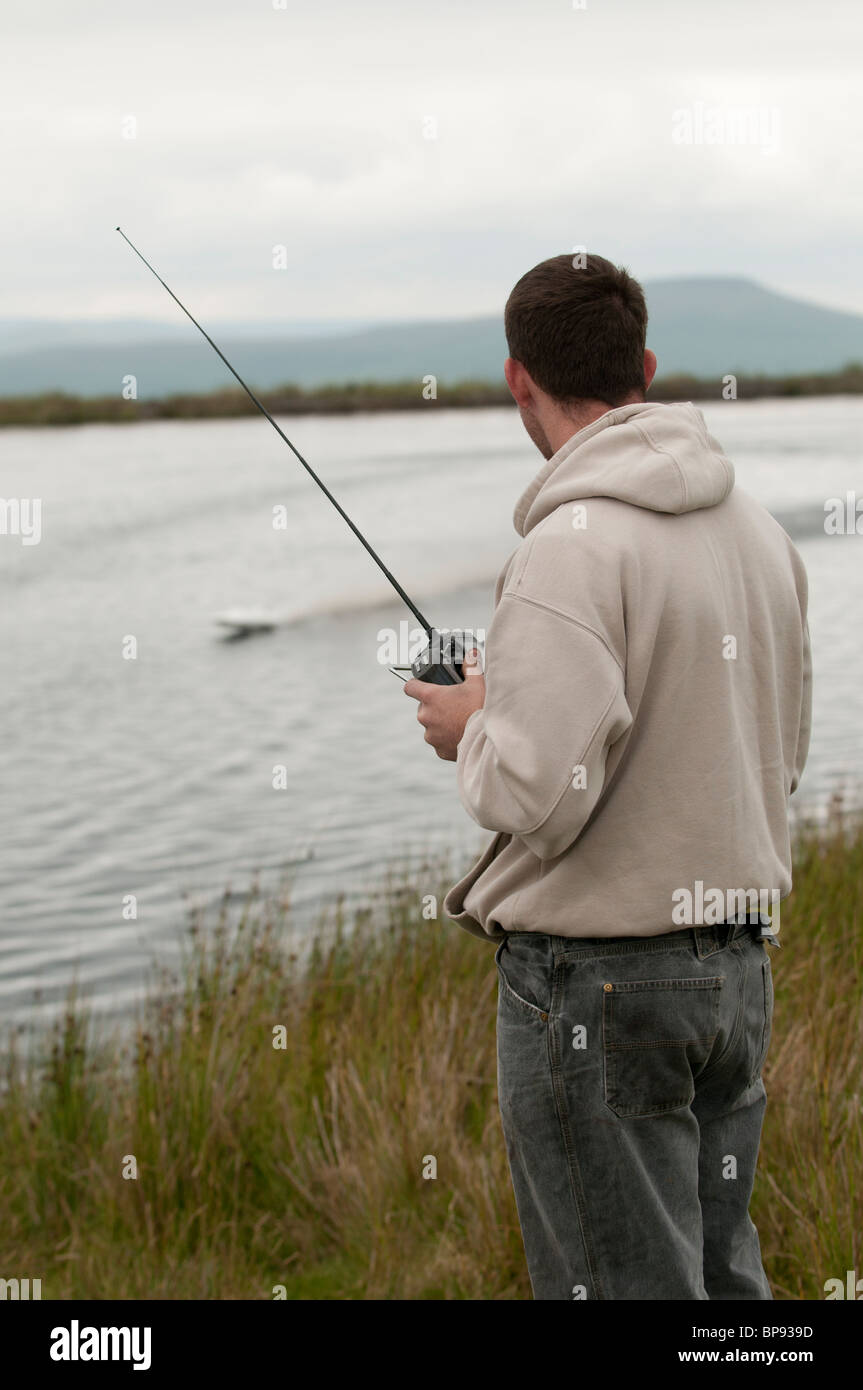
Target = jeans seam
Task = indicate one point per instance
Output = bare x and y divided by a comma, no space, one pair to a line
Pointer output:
766,973
573,1168
734,1036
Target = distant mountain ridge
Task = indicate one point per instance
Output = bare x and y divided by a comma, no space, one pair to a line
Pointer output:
36,334
706,326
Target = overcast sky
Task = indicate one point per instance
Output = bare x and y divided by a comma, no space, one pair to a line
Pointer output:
308,127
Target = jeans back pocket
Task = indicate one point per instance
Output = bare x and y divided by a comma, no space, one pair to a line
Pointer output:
657,1036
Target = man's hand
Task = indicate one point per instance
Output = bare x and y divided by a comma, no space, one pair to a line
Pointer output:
445,709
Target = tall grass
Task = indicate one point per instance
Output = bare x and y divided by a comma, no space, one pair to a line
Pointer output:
808,1202
302,1167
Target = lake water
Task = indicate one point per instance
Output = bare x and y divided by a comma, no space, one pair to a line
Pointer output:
154,776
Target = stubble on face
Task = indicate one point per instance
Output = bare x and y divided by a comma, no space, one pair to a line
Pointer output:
536,432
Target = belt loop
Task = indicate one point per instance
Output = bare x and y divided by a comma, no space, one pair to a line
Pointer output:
559,945
717,937
705,941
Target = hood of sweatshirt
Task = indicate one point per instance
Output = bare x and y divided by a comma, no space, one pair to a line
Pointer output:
651,455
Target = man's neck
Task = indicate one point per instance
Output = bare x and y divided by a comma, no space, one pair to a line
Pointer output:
565,424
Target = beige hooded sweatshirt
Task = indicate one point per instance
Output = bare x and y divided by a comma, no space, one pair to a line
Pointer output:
648,692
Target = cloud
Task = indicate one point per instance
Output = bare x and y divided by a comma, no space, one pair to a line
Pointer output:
308,127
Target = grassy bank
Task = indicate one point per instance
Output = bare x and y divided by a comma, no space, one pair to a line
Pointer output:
302,1166
59,408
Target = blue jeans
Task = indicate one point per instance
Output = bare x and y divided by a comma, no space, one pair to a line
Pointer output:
630,1091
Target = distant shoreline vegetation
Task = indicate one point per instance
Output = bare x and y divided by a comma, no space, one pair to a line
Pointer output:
58,408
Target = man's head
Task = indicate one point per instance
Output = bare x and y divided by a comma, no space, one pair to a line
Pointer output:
575,328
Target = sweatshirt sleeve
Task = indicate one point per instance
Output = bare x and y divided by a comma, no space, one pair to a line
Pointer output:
531,761
805,714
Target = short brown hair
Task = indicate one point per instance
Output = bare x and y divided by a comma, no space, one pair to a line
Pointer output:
579,332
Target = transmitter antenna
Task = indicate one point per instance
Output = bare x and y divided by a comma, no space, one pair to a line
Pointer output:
263,409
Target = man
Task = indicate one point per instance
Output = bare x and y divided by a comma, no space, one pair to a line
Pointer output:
642,720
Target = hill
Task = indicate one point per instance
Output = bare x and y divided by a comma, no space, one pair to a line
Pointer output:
703,326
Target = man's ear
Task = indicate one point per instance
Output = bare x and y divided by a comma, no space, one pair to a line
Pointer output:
519,381
649,367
